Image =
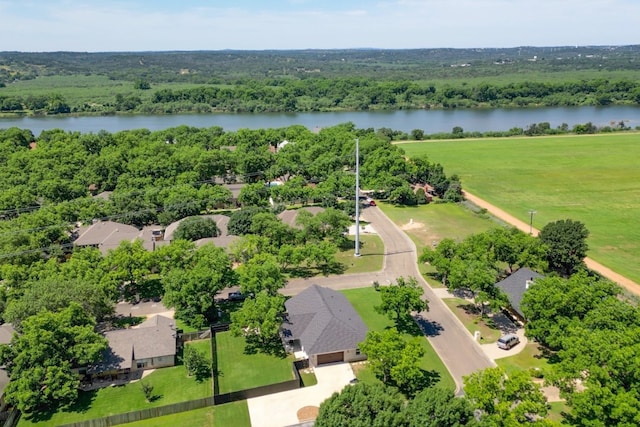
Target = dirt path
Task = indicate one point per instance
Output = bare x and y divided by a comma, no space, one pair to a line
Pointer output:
626,283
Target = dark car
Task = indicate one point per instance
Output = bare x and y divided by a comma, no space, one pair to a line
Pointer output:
239,296
236,296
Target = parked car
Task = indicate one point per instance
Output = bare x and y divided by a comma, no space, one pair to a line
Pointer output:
508,341
236,296
239,296
372,202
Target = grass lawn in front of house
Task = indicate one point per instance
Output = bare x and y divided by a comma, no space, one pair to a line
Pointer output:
531,357
364,300
229,414
470,318
238,370
371,255
170,385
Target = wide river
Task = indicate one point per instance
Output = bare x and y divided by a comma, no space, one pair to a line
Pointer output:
430,121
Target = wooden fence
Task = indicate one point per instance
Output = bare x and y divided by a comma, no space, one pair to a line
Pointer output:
144,414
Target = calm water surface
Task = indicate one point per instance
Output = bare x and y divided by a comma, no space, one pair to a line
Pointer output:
430,121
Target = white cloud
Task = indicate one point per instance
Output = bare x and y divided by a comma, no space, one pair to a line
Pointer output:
107,26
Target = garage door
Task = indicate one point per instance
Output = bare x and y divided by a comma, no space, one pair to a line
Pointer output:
330,357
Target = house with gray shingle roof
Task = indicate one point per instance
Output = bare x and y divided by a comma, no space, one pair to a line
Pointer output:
322,325
150,345
290,216
516,285
106,235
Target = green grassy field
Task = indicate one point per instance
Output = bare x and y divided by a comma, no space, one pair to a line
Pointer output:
426,224
239,371
229,414
594,179
170,385
363,300
80,89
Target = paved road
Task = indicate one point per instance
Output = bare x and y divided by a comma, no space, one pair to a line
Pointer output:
450,339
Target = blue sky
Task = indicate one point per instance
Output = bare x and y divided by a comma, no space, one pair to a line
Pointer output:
138,25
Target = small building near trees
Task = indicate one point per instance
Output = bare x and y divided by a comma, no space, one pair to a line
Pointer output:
515,286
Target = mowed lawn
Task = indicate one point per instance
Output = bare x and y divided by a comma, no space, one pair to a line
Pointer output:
428,224
371,251
239,370
230,414
594,179
364,300
170,385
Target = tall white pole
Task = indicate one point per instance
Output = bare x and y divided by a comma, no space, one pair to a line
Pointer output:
357,197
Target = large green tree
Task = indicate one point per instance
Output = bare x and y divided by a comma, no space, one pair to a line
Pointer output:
394,359
261,273
552,304
505,400
438,407
40,359
259,321
400,299
127,266
192,290
566,241
362,405
195,228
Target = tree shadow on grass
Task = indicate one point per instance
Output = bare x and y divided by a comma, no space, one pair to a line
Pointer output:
546,353
303,272
154,398
426,380
273,347
80,406
408,325
332,268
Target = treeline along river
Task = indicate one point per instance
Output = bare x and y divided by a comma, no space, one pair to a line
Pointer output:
429,121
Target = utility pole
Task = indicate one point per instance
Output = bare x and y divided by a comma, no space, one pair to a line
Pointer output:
357,253
531,213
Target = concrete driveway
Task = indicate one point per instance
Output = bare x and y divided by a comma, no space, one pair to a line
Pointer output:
494,352
280,409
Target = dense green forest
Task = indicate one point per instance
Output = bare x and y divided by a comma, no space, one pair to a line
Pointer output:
315,80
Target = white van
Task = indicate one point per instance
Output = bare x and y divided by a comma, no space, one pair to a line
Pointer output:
508,341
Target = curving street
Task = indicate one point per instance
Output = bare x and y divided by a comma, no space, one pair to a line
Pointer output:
450,339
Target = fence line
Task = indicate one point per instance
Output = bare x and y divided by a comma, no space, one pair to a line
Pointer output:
193,336
144,414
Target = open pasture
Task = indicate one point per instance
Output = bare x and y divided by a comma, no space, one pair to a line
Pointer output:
591,178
